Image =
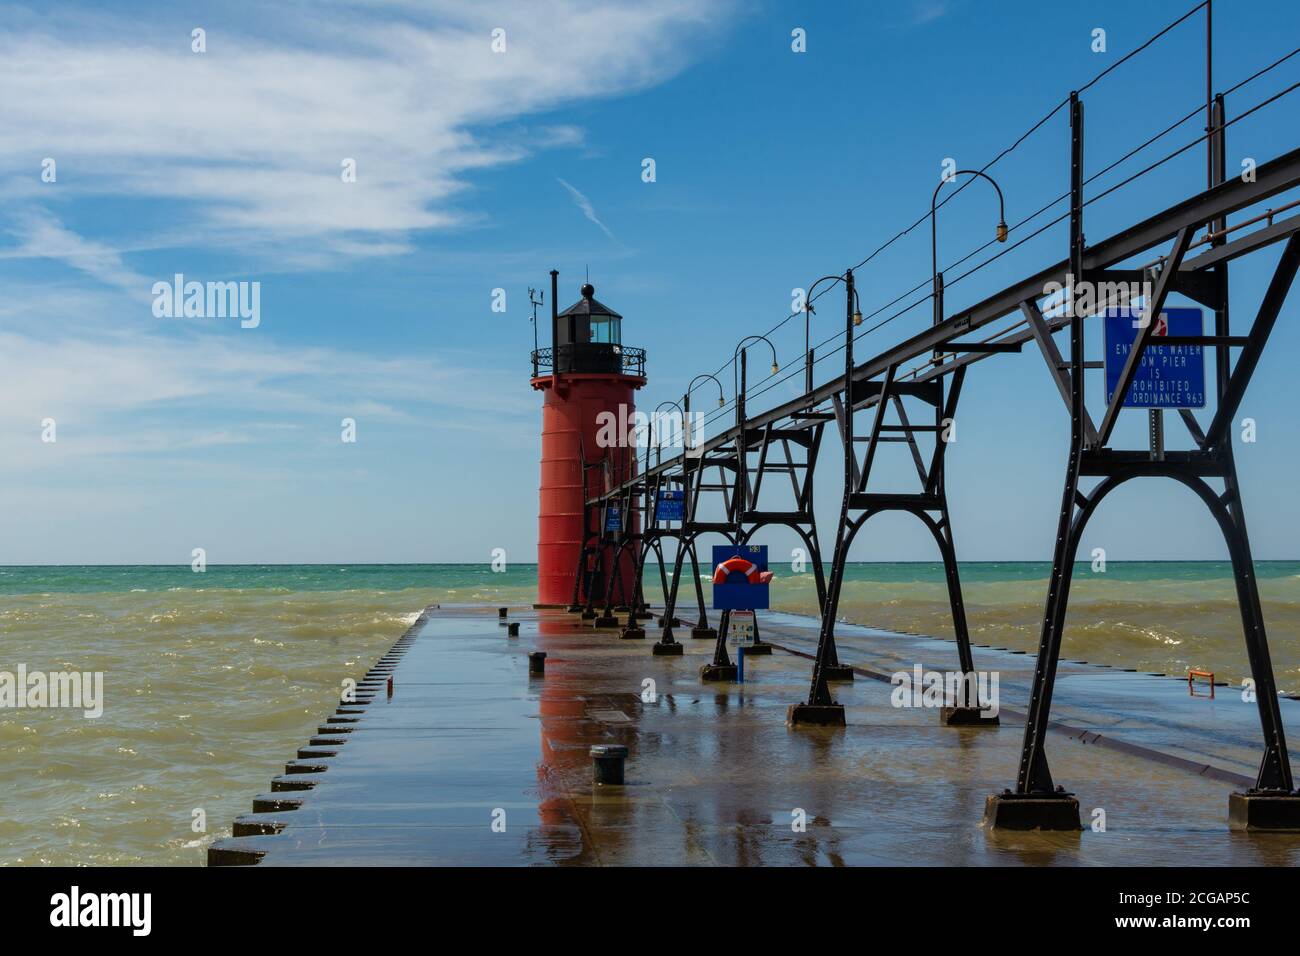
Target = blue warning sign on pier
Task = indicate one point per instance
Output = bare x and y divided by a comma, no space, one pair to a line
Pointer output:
740,577
670,506
1169,376
613,519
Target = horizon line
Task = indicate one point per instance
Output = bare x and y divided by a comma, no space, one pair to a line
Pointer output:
533,564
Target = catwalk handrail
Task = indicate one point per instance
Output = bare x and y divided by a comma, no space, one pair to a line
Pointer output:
1273,177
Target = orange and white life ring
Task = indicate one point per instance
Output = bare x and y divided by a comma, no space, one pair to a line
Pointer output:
748,568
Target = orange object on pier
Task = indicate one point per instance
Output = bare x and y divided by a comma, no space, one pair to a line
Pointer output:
1191,677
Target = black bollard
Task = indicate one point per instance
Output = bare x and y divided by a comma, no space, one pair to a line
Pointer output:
512,629
537,662
607,764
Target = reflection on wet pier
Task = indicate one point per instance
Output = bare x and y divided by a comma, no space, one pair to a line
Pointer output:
472,761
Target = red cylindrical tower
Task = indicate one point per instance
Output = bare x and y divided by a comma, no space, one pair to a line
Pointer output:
589,380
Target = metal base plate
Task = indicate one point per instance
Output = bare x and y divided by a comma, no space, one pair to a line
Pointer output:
815,715
1262,810
966,717
1011,811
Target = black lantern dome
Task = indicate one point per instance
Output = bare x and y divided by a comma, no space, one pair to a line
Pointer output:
588,337
589,321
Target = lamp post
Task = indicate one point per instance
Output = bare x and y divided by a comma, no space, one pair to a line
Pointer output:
937,279
740,392
741,447
655,428
807,310
686,403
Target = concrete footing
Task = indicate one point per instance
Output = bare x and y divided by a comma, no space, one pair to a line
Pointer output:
755,650
631,633
703,634
718,672
966,717
286,783
1263,810
836,672
320,747
814,715
274,803
227,856
250,825
1039,811
300,765
605,621
660,649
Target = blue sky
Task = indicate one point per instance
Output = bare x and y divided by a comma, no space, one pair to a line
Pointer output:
772,168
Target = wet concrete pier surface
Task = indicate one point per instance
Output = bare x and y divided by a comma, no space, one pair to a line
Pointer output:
474,760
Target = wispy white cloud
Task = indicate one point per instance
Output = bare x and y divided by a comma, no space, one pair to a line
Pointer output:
246,141
588,210
128,394
42,236
927,11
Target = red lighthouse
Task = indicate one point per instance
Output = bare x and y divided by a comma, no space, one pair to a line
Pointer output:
585,376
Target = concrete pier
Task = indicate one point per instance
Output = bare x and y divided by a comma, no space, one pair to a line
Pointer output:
475,761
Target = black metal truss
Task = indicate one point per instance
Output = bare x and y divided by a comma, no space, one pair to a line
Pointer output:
878,383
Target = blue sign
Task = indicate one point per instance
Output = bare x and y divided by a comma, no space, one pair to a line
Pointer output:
670,506
740,577
1169,376
613,519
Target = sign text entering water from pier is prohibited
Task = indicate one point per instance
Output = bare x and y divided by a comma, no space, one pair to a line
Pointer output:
1169,376
670,506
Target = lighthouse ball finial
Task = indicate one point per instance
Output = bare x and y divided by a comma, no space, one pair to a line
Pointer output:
588,290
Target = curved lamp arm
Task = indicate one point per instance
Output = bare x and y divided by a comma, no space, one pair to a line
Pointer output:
754,338
690,388
934,199
735,389
857,299
934,241
671,403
